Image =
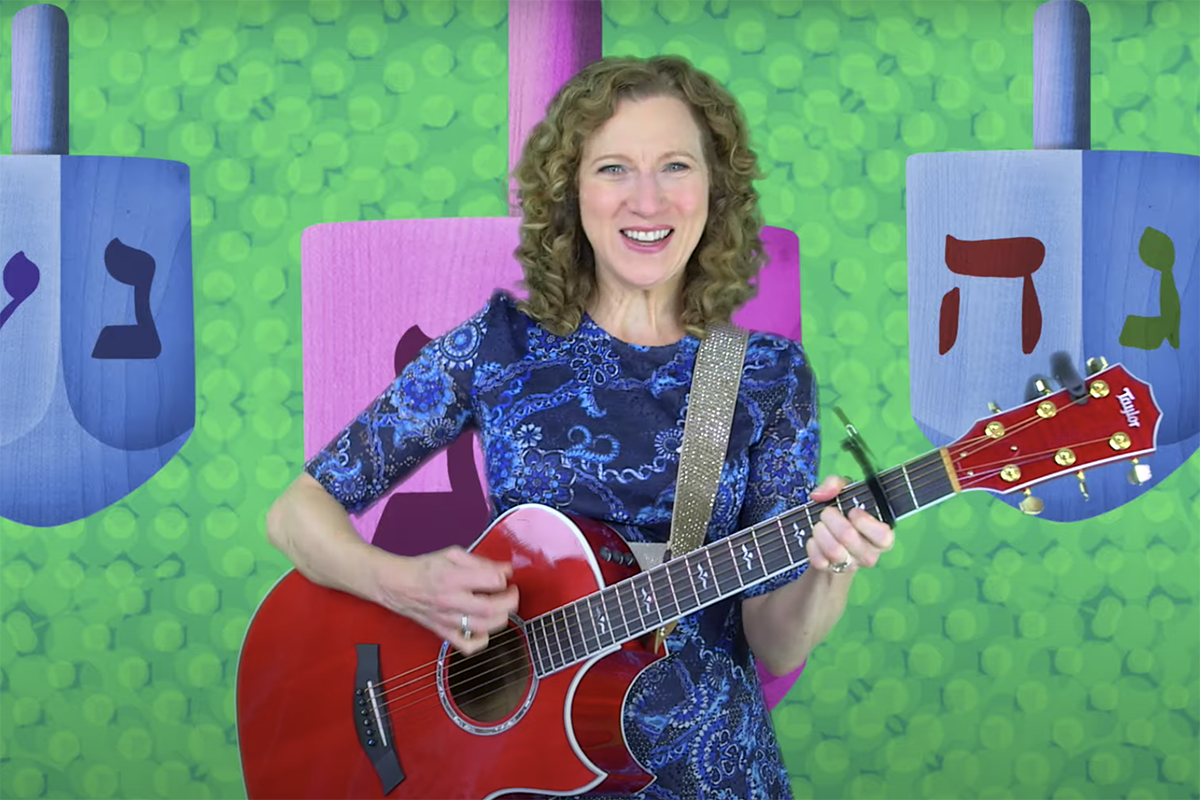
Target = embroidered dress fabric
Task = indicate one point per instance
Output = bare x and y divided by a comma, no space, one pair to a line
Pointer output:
590,424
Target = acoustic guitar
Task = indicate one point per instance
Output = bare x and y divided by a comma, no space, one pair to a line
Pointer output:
339,698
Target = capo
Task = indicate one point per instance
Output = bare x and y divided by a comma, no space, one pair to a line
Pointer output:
1065,373
858,448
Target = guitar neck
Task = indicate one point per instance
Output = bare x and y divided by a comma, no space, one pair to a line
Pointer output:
645,602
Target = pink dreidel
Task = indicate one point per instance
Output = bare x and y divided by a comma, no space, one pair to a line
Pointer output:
1014,256
366,284
97,360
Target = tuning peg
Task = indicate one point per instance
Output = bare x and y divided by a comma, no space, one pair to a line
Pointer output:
993,407
1083,485
1031,505
1139,473
1096,364
1042,387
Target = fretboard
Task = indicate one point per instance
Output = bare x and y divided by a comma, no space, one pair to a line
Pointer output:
680,586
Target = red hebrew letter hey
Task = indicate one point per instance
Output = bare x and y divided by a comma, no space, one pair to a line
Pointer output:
1016,257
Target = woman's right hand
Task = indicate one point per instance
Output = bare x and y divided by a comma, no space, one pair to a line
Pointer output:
442,590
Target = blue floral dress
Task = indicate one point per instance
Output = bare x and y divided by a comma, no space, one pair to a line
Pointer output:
593,425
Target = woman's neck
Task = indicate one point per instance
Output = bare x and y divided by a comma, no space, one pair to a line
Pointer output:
641,318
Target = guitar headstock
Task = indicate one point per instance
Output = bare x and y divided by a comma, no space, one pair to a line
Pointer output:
1054,435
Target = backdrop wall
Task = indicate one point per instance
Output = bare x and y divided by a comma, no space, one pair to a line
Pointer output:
991,655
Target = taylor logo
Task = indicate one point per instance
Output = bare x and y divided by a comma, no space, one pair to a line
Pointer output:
1128,409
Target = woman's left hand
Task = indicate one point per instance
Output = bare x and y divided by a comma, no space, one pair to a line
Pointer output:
841,543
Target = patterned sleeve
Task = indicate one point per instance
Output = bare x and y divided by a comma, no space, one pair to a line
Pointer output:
784,461
424,409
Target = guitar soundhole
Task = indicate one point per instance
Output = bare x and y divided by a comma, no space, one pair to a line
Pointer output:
490,685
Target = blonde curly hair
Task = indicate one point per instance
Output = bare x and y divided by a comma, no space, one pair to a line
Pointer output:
557,259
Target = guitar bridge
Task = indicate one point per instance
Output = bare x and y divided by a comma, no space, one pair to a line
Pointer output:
371,719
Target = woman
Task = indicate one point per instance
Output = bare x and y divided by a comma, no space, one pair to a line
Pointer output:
640,228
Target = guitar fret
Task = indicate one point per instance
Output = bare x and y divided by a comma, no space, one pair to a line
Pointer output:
631,599
911,493
646,600
723,563
558,640
574,634
564,629
687,568
733,559
600,624
758,550
549,663
621,606
786,546
531,631
673,565
588,637
715,560
612,612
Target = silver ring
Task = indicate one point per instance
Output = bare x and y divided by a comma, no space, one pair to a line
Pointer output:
842,567
466,627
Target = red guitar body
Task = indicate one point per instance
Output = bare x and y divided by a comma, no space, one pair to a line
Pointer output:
301,727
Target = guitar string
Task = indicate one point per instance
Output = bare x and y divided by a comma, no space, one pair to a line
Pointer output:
1016,427
917,477
503,679
851,492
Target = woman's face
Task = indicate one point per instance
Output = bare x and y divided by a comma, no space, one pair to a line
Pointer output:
643,194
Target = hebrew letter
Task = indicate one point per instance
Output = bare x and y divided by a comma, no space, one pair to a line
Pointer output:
1147,333
1016,257
21,277
135,268
948,327
414,523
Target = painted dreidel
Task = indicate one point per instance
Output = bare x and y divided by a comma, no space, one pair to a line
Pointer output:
97,357
1013,256
392,275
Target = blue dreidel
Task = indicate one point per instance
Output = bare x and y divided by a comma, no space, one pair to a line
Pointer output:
97,354
1014,256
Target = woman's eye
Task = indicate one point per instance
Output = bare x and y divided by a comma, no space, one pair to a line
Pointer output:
676,166
611,169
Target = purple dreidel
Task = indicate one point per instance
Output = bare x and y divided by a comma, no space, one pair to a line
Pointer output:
1013,256
434,273
97,362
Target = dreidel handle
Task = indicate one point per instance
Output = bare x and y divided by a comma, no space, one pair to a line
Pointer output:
40,83
1062,76
548,42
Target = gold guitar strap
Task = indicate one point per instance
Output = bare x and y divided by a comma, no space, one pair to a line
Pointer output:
707,421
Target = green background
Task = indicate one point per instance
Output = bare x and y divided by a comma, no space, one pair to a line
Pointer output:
990,655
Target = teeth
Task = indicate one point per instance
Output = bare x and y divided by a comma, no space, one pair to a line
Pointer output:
647,236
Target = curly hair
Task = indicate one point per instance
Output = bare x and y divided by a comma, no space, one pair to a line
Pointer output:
554,252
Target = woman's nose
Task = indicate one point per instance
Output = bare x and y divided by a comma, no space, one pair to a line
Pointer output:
647,195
